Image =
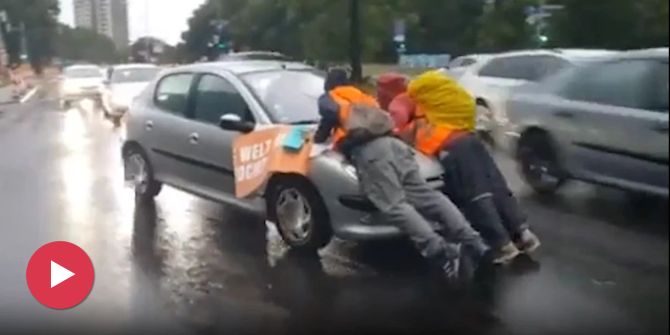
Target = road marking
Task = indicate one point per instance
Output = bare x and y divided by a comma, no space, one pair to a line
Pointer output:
29,94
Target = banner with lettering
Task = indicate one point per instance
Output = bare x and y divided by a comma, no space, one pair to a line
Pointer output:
260,153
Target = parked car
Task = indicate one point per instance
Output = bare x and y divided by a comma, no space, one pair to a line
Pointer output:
181,129
79,82
605,122
492,79
124,83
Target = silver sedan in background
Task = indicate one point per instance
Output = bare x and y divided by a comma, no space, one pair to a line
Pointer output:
604,122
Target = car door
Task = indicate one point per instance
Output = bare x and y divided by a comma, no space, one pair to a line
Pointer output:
215,96
617,111
168,129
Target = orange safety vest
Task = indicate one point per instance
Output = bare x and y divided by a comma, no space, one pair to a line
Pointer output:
346,97
429,139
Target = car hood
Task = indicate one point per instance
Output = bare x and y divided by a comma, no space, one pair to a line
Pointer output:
128,90
430,168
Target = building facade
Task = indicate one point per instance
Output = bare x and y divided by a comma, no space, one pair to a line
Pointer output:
107,17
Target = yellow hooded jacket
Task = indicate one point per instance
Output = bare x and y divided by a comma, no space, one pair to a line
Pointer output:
443,107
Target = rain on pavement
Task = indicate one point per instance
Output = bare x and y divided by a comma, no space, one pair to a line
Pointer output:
187,265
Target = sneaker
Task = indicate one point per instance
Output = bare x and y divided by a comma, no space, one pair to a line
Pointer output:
528,242
505,254
452,269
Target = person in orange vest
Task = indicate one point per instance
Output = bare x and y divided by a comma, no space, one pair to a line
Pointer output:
443,127
335,106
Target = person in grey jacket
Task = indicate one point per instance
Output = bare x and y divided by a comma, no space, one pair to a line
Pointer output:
389,176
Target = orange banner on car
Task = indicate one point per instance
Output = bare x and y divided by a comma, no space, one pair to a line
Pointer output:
259,154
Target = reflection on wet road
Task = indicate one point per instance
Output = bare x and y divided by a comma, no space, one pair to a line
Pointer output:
186,265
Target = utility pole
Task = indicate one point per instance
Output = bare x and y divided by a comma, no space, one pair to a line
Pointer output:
355,41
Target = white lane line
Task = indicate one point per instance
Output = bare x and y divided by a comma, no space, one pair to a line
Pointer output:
29,94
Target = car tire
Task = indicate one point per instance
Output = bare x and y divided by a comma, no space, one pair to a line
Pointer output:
146,187
299,213
538,162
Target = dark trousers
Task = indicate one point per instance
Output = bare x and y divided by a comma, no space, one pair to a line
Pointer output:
389,176
475,184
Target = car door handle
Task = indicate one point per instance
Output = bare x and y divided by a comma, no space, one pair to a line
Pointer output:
661,128
565,115
194,138
149,125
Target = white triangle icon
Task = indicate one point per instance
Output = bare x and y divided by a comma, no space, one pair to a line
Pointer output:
59,274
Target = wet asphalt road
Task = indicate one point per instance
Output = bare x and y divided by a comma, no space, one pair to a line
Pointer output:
189,266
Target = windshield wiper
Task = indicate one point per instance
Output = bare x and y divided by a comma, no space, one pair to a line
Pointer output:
304,122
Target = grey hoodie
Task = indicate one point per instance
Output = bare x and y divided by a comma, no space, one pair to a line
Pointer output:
365,124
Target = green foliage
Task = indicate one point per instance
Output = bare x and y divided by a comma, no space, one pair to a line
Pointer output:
319,29
39,18
80,44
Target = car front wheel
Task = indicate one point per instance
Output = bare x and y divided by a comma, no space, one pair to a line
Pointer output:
539,164
299,213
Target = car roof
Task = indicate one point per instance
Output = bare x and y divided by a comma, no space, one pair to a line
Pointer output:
563,53
244,66
646,53
134,66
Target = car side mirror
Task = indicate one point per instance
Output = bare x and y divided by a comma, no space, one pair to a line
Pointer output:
235,123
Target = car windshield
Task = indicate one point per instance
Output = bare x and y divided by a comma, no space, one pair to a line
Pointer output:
83,73
137,75
290,97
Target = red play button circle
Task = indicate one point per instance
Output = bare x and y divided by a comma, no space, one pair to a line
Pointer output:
60,275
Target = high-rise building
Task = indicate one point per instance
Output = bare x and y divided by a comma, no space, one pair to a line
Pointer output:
107,17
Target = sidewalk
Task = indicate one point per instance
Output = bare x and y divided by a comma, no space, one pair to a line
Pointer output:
6,94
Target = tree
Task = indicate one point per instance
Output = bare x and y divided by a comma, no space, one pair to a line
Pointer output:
503,27
81,44
318,30
148,49
36,22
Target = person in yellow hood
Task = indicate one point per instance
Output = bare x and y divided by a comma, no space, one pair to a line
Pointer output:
443,127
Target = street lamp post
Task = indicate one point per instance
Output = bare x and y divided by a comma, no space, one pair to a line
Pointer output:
355,41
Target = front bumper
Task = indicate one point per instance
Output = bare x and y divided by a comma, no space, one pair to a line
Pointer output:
78,95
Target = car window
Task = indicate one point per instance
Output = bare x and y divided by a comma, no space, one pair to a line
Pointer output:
512,67
83,72
526,67
623,83
462,62
544,66
172,92
215,97
289,97
659,95
136,75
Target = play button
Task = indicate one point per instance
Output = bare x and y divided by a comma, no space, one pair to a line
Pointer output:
60,275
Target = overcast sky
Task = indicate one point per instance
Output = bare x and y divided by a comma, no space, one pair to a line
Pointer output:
166,19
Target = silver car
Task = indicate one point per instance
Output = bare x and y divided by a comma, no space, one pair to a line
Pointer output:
180,132
604,122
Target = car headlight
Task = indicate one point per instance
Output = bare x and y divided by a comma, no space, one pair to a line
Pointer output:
350,170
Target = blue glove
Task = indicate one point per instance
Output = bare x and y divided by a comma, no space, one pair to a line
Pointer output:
295,139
